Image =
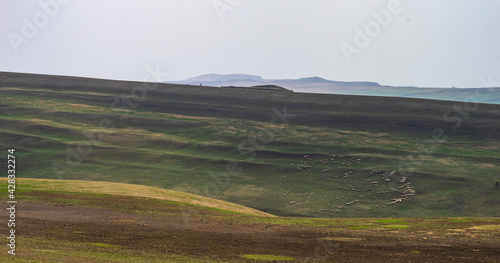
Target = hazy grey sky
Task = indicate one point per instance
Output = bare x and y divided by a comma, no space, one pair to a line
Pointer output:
422,43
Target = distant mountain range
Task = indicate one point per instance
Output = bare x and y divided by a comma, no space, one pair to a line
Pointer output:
321,85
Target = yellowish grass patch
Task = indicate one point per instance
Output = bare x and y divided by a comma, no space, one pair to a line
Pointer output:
78,186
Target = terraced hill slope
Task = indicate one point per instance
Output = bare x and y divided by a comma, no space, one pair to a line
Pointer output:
281,152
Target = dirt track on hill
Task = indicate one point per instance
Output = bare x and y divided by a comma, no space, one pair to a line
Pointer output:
225,239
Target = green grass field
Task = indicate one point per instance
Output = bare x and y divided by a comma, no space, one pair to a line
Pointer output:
339,156
81,221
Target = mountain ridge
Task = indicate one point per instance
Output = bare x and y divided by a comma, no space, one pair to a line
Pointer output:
213,78
365,88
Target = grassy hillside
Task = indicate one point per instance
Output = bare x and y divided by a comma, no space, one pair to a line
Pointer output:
31,187
331,156
81,221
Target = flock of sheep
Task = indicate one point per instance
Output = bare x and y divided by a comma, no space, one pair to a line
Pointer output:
371,187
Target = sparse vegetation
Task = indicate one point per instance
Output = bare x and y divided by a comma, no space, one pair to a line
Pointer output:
267,257
122,227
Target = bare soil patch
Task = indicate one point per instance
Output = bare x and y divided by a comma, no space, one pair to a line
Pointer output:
225,237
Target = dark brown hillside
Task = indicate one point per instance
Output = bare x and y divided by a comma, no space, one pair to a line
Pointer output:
343,111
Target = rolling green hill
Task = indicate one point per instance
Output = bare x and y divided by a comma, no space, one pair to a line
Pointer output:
280,152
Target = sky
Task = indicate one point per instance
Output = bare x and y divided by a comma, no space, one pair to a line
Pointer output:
424,43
